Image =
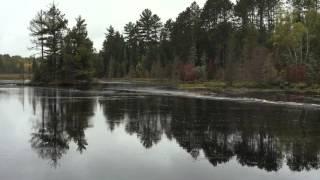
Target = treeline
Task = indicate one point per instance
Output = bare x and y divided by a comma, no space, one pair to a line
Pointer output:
14,64
265,41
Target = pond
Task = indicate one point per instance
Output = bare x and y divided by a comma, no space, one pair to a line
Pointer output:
126,132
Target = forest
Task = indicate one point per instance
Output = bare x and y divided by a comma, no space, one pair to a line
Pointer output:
261,41
14,64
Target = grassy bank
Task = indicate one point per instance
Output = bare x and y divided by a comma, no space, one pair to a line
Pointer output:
204,86
219,86
15,77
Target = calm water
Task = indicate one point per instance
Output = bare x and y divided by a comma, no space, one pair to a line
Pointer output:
117,134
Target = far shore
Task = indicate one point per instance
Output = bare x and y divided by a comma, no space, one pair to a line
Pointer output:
197,86
15,76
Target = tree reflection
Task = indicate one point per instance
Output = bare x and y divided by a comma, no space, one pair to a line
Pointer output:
142,120
261,136
63,117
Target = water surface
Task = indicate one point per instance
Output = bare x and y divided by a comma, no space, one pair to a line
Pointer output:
124,132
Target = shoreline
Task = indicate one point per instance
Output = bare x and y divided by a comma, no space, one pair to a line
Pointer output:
220,86
198,86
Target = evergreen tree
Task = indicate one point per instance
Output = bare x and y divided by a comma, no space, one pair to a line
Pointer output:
222,40
185,30
48,27
149,27
56,25
166,50
78,52
113,54
132,44
216,24
38,31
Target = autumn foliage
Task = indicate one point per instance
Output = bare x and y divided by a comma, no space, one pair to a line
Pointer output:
296,73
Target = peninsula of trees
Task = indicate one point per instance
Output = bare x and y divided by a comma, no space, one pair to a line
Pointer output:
263,41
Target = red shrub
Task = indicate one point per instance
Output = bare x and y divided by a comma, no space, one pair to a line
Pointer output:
296,73
188,72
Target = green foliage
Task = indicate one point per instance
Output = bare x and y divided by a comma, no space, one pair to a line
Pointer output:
78,52
66,54
149,27
247,40
47,29
184,33
15,64
291,36
113,54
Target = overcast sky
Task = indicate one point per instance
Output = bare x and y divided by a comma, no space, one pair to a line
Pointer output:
15,16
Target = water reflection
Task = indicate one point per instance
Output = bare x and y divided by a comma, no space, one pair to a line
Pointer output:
62,118
262,136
